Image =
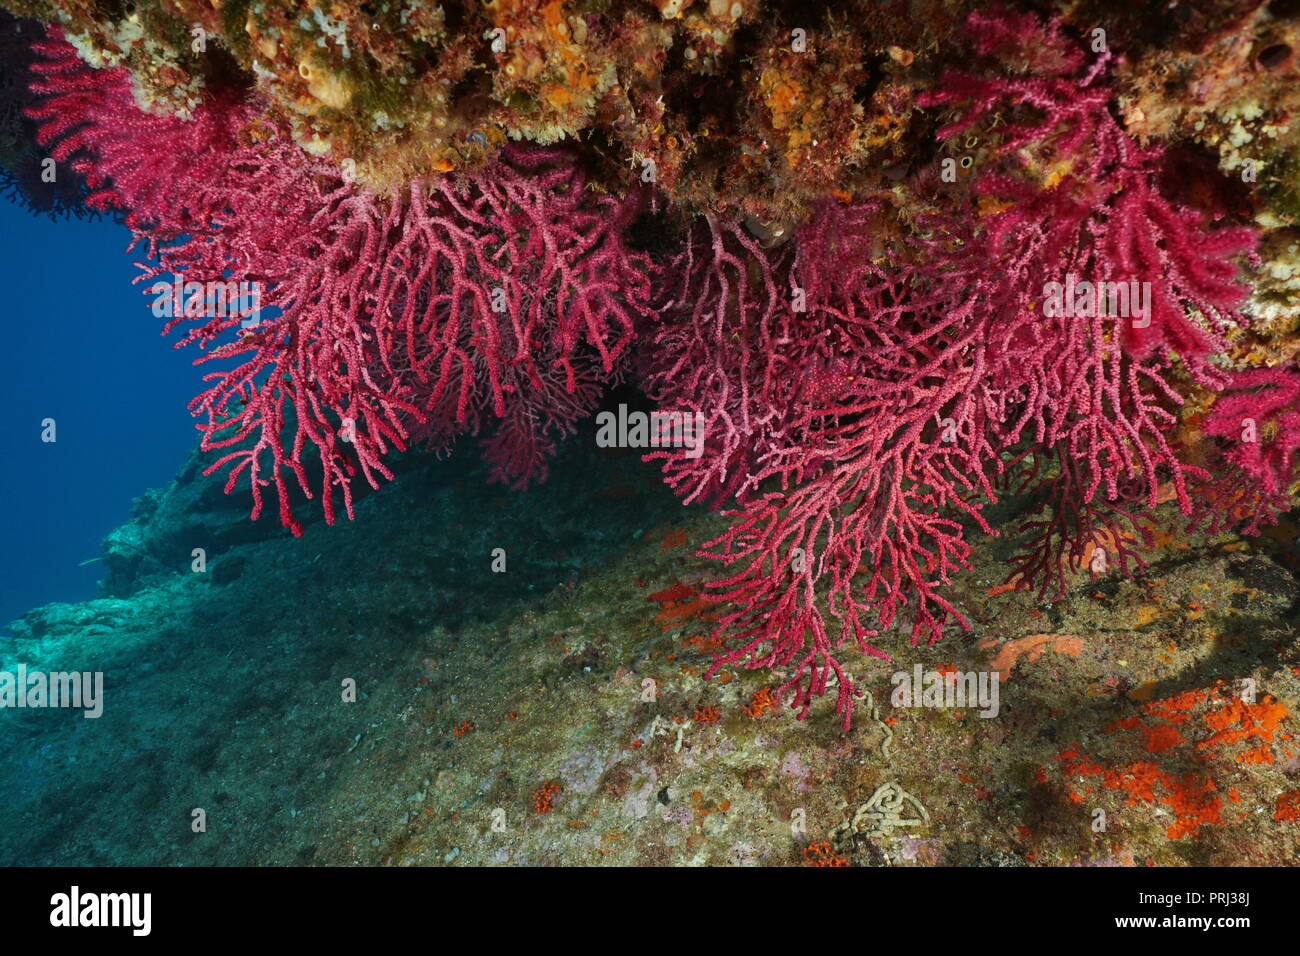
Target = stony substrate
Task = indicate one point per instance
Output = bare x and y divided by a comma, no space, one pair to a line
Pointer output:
557,714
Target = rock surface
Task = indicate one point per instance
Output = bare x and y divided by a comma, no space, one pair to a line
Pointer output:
556,713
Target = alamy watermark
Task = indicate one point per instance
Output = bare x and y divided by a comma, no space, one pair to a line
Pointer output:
77,909
1085,299
214,299
83,690
636,429
966,689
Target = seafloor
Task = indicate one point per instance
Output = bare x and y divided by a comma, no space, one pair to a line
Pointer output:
506,717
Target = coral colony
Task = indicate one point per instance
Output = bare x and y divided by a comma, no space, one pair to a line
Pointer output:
868,294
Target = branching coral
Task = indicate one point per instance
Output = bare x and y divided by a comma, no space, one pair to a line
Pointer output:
878,348
1259,418
28,174
380,320
929,381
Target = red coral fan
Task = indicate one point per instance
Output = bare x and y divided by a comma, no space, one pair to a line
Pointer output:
841,404
393,320
862,436
133,162
1096,211
1259,417
864,397
26,175
1058,125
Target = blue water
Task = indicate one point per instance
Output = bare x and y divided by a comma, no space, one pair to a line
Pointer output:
83,348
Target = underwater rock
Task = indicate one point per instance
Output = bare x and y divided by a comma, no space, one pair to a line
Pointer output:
975,325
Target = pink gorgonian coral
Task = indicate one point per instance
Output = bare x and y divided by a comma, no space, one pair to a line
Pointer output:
861,436
507,294
1258,418
866,390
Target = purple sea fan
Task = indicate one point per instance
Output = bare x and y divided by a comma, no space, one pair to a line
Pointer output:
381,321
542,412
850,429
880,421
1078,199
1062,154
1259,418
132,160
749,338
26,176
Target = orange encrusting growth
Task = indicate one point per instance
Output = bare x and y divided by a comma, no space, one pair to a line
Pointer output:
681,602
544,797
1032,648
1193,798
820,854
